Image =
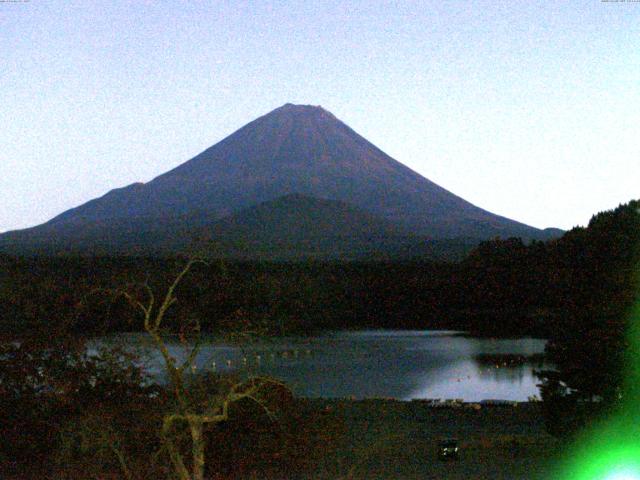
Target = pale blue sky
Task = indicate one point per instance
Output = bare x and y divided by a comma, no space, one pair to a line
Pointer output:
528,109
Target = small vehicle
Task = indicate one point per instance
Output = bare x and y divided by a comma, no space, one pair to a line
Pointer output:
448,449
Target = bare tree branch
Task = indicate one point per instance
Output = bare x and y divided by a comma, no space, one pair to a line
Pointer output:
192,415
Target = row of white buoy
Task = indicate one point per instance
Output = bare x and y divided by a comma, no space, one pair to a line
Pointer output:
258,358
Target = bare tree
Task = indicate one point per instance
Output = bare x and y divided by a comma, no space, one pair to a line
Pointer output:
189,415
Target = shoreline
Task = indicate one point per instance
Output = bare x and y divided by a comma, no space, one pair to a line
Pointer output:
397,439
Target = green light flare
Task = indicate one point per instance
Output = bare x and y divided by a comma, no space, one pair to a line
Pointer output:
610,450
623,474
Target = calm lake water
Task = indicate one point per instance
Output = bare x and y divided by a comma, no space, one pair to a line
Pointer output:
381,363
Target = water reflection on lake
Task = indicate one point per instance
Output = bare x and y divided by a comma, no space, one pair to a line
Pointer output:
364,364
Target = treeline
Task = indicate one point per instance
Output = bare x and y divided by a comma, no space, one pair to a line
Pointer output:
62,293
504,287
592,346
58,294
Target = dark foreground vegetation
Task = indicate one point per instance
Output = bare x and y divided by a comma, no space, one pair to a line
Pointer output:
65,411
69,415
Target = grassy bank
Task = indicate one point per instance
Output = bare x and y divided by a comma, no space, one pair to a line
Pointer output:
388,439
399,440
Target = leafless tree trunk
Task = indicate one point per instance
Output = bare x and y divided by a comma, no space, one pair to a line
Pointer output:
188,414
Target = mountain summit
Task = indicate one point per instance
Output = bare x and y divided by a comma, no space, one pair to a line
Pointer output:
293,150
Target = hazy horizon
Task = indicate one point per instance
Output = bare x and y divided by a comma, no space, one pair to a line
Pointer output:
528,111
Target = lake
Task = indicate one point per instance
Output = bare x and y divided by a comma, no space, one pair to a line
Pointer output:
378,363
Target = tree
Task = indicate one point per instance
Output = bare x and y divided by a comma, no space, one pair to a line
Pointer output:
590,344
51,387
190,411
